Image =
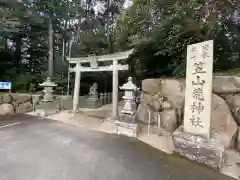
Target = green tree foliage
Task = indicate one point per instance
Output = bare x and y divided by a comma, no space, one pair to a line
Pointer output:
161,30
97,27
25,44
158,30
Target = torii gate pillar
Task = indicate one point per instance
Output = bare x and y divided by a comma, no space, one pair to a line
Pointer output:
115,91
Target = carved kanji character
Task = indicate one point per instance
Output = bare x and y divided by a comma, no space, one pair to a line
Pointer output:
198,94
198,81
196,121
197,106
198,68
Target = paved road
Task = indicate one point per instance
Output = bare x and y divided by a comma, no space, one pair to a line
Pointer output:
37,149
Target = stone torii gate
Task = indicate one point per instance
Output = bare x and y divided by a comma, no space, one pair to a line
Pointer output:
92,62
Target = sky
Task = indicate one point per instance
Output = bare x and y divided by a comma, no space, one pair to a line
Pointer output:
127,3
99,7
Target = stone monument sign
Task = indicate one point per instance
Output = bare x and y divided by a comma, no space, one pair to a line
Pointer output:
198,90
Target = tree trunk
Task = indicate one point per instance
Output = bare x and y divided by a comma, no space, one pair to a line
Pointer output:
79,23
18,51
64,41
108,28
50,49
6,44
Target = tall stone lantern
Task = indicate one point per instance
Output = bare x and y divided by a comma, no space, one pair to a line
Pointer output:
48,86
129,97
127,120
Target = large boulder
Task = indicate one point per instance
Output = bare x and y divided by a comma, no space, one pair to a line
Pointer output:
6,109
149,104
21,98
25,107
238,139
170,88
222,122
1,99
173,91
169,120
226,84
160,111
142,114
6,99
234,105
155,101
173,86
151,86
164,96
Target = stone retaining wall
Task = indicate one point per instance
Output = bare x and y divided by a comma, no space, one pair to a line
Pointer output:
165,97
21,103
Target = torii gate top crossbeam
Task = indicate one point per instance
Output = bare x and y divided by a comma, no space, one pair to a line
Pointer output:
108,57
101,68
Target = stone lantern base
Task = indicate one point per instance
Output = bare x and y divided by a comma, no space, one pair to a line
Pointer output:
127,118
127,129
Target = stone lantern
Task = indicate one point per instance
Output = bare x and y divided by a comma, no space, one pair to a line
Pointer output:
129,97
48,90
127,120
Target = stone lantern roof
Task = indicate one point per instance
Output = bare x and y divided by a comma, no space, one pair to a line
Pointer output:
48,83
129,85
